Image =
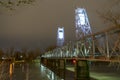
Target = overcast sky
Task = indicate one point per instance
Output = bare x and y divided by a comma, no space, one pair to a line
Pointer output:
36,25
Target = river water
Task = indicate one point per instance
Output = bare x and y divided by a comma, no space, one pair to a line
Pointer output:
32,71
27,71
36,71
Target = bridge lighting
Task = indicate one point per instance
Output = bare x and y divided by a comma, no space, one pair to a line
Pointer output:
82,23
60,36
74,61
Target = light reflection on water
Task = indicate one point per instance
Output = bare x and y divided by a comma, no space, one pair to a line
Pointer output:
28,71
50,74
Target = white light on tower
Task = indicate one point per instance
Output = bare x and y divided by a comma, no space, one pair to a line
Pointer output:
82,24
61,33
60,36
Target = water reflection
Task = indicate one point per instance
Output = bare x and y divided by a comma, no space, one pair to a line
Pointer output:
50,74
26,71
11,70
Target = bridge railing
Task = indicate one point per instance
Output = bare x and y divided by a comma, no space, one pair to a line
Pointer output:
104,44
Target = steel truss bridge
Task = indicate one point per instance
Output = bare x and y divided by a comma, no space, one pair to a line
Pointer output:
101,46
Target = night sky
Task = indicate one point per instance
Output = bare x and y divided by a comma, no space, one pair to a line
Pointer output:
35,26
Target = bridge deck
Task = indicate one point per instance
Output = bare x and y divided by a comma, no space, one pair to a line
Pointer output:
93,59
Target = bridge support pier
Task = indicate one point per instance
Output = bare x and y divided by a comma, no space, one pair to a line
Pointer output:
82,70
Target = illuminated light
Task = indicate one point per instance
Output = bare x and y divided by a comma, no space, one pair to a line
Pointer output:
60,36
82,19
3,58
11,69
82,23
60,33
21,56
74,61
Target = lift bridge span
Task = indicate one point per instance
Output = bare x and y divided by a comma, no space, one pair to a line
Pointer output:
101,46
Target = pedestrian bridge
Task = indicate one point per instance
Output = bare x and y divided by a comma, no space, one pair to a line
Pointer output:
101,46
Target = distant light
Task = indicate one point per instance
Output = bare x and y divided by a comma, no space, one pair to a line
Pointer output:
60,36
82,19
21,56
81,23
3,58
74,61
80,16
60,33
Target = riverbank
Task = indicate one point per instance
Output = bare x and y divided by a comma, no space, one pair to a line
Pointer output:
97,73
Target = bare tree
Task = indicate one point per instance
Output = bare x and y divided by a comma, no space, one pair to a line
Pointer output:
4,70
111,16
11,4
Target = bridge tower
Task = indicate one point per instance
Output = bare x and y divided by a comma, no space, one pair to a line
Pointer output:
81,23
60,36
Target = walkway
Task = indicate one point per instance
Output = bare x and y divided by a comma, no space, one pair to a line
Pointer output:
99,75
